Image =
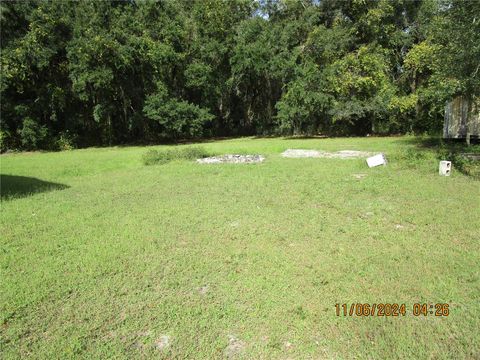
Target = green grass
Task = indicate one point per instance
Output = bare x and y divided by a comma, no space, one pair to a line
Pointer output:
101,256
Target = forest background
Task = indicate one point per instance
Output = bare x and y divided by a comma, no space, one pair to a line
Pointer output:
96,73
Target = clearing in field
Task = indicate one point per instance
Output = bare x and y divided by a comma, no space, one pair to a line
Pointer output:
103,256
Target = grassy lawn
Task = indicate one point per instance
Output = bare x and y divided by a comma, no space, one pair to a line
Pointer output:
108,258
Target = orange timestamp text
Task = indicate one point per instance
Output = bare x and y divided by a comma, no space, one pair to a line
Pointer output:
392,309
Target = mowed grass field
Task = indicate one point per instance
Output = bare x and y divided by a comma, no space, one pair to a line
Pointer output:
103,257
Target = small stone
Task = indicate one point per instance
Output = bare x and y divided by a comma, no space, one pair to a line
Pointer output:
203,290
162,343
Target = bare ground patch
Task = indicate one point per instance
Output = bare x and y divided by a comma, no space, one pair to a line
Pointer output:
235,347
342,154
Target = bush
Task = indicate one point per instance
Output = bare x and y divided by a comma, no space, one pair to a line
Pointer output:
65,141
4,135
158,157
32,134
177,118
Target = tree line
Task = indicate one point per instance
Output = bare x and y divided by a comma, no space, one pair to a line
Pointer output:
85,73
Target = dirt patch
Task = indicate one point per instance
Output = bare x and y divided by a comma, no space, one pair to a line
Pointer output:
343,154
203,290
235,347
232,159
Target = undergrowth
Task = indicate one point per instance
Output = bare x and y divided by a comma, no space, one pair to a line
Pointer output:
158,157
436,149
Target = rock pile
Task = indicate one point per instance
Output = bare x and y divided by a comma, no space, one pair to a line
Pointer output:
232,159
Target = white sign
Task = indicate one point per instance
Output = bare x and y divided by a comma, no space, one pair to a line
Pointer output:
377,160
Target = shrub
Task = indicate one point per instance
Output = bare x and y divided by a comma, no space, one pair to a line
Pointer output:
4,135
65,141
32,134
158,157
177,118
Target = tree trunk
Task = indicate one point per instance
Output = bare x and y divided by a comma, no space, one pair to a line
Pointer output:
468,119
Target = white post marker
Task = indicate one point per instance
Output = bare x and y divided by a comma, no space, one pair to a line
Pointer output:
445,168
377,160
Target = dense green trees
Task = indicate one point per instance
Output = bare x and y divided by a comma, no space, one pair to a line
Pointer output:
110,72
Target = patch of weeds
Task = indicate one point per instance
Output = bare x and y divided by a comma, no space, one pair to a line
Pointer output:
158,157
426,158
76,347
65,141
413,157
455,154
300,312
275,344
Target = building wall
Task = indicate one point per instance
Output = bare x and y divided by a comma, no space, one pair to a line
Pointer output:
455,125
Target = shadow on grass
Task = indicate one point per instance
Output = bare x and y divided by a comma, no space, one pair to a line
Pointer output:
13,186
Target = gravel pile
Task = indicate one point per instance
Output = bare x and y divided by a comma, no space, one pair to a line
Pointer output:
232,159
